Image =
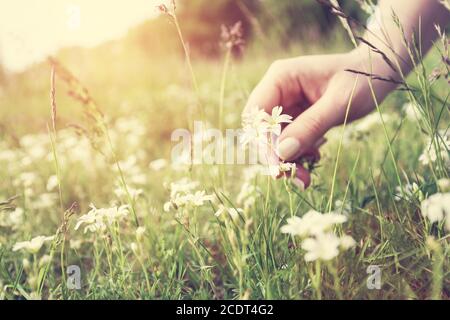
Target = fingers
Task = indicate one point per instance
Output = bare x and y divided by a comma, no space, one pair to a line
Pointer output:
265,95
278,87
307,130
303,178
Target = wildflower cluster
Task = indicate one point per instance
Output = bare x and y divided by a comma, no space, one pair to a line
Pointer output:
319,241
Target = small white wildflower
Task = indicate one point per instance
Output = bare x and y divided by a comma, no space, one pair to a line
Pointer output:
75,244
276,119
52,183
199,197
411,112
34,245
346,242
444,185
158,164
254,127
343,207
46,259
248,195
120,192
45,200
140,231
134,247
312,223
14,219
322,247
438,146
99,219
231,211
437,207
410,191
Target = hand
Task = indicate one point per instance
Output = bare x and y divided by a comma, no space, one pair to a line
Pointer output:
315,91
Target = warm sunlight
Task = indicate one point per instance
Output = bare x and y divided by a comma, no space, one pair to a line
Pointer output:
32,29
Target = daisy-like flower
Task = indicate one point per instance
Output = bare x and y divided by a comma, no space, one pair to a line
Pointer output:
276,119
254,126
199,197
436,208
34,245
248,194
440,146
411,112
120,191
346,242
232,212
312,223
444,185
281,168
99,219
410,191
158,164
140,231
323,247
182,193
52,183
257,125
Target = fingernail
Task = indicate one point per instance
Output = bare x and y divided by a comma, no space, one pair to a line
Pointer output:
288,148
299,183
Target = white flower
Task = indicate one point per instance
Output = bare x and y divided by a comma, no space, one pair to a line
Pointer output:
364,125
411,112
444,185
282,167
26,179
46,259
199,197
45,200
286,166
343,207
230,211
140,231
134,247
410,191
182,194
120,192
248,195
255,126
312,223
158,164
276,119
322,247
52,183
34,245
75,244
13,219
183,186
437,207
438,146
99,219
346,242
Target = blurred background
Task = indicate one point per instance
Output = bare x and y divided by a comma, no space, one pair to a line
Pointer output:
123,51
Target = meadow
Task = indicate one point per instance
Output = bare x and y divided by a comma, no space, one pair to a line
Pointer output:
88,187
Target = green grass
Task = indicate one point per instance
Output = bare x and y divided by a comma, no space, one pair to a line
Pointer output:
222,258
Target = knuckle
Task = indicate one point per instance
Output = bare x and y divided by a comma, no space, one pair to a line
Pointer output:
314,126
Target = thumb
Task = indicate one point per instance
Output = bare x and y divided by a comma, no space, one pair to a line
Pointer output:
307,129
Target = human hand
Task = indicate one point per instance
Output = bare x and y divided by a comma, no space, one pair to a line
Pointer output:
315,91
